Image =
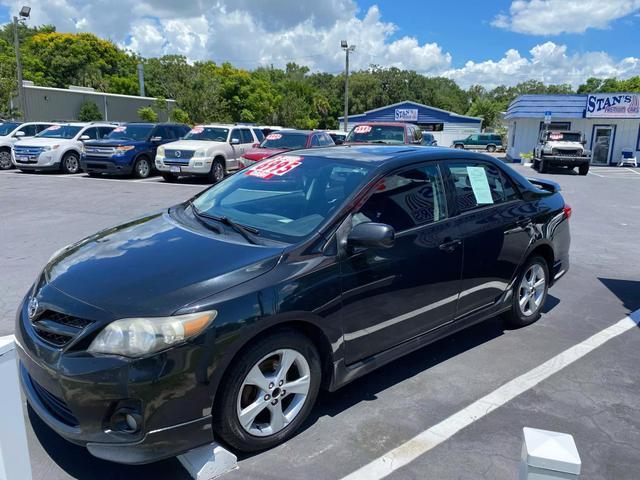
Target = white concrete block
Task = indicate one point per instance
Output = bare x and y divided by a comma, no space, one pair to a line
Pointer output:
208,462
548,455
14,450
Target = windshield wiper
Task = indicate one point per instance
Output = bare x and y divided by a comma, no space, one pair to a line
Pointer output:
245,231
199,215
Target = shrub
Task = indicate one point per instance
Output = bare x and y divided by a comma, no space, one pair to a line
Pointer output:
89,112
147,114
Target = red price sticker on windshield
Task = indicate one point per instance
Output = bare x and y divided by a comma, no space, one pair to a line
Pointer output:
274,136
54,127
197,129
279,166
555,136
119,129
362,129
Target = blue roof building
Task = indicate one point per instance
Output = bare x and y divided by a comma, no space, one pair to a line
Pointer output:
610,122
444,125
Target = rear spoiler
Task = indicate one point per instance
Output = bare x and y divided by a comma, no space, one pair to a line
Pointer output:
547,185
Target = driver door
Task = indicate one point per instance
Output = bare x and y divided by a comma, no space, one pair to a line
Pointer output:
392,295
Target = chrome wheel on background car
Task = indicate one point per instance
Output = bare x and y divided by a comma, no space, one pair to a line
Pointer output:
142,168
71,163
5,160
217,171
532,290
274,392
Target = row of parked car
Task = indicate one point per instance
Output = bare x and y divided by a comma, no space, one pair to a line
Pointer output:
173,149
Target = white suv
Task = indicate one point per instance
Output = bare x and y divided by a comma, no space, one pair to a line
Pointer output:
209,150
58,147
11,132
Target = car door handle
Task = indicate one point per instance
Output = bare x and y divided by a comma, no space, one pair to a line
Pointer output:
450,246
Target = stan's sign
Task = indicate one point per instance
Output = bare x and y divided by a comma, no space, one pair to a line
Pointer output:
607,105
406,114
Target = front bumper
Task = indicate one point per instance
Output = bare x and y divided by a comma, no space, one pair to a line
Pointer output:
47,160
566,160
194,166
80,396
107,166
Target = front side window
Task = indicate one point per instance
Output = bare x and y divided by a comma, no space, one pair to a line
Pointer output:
60,131
392,134
29,130
407,200
131,132
259,135
213,134
284,139
479,184
92,133
246,136
286,197
235,134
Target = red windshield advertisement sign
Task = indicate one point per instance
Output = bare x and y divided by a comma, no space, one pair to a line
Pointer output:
613,105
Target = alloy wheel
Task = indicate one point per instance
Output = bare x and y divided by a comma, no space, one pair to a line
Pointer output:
531,291
5,160
218,171
71,163
143,168
273,392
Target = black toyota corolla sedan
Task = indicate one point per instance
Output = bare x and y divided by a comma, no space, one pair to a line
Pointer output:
221,318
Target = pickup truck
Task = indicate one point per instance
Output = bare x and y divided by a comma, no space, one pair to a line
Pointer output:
560,148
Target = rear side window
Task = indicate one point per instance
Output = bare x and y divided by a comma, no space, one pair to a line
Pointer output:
408,199
259,135
314,141
104,131
479,184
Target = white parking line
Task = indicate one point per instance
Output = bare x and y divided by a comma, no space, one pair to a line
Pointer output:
434,436
633,171
149,181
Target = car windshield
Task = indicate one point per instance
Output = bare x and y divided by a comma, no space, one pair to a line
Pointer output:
376,134
288,140
130,132
286,197
7,128
564,136
60,131
212,134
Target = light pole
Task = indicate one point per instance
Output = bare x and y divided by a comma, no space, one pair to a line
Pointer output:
23,15
347,49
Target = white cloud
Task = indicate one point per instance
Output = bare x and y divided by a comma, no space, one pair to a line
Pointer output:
554,17
249,33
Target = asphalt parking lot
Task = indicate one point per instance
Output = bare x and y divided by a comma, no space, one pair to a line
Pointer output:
594,398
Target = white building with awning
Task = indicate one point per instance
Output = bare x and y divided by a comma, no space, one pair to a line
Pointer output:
610,122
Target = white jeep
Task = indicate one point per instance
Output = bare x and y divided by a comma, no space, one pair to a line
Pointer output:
207,150
11,132
560,148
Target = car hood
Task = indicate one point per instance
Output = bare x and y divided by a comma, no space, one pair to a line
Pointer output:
154,265
40,142
566,145
115,143
192,144
260,153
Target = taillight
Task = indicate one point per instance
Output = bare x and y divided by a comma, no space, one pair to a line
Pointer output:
567,211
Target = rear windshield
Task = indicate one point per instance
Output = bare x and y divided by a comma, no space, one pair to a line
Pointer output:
564,136
288,140
213,134
130,132
376,134
60,131
7,128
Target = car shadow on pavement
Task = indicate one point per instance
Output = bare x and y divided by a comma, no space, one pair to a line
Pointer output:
628,291
78,463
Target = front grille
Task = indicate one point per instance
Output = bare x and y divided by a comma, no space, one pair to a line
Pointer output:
56,406
25,150
99,151
183,155
58,329
566,153
177,162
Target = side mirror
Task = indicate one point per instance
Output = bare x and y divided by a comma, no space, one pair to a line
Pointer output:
235,141
19,134
156,139
84,137
372,235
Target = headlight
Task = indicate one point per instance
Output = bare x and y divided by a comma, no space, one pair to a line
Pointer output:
161,151
135,337
200,153
124,148
46,148
546,149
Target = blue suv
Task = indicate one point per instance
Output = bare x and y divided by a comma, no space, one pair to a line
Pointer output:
129,149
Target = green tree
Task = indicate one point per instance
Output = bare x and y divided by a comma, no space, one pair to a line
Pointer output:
147,114
89,112
179,116
486,108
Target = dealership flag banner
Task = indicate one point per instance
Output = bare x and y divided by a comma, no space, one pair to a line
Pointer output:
606,105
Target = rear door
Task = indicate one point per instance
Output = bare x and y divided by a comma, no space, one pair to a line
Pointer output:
392,295
494,224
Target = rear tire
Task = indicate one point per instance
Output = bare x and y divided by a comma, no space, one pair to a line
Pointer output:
530,289
583,169
5,160
491,148
267,424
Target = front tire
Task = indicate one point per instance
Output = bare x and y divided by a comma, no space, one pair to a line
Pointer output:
268,392
543,168
170,177
583,169
459,146
216,174
142,168
529,293
70,163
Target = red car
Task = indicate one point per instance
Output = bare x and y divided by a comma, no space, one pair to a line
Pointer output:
284,141
393,133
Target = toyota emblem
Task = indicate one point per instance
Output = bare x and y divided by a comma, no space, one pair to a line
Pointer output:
178,153
33,307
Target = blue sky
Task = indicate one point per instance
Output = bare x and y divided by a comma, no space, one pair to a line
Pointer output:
472,42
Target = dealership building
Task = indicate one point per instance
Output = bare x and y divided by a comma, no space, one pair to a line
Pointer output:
610,123
444,125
